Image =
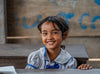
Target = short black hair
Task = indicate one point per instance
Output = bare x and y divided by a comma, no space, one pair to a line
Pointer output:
59,21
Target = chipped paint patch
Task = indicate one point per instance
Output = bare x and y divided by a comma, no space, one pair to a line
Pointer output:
64,2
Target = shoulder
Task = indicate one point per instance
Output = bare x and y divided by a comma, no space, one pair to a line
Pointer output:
65,53
64,57
35,58
71,58
71,62
35,55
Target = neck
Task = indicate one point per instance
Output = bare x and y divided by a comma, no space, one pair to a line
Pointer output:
53,54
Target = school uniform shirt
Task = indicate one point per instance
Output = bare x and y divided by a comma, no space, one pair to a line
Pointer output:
39,60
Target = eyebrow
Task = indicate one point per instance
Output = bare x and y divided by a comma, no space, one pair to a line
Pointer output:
55,30
51,30
44,31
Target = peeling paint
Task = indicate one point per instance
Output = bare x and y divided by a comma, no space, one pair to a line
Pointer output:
74,3
97,2
64,2
80,20
33,25
66,16
93,22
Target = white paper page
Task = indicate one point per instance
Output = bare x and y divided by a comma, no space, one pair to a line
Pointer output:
7,70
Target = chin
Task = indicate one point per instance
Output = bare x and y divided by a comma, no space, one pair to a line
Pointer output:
50,47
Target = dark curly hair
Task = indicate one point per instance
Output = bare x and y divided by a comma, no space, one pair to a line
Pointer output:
60,22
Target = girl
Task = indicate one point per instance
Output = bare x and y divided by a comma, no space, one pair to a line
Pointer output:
53,31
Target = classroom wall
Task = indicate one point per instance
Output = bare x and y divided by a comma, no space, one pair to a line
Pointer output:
83,17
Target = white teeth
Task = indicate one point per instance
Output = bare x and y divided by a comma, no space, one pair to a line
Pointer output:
50,42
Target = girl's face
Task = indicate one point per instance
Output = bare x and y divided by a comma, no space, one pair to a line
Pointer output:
51,37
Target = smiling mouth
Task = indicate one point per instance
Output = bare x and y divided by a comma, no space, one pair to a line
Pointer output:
51,42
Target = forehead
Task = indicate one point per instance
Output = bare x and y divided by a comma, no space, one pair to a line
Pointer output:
49,26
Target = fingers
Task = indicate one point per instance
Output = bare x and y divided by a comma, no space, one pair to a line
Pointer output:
88,67
84,67
79,67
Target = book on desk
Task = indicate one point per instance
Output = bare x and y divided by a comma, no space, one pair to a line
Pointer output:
7,70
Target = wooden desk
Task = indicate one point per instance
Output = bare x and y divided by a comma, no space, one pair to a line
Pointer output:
16,54
53,71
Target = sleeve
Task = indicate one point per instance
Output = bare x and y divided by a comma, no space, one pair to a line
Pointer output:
72,64
33,61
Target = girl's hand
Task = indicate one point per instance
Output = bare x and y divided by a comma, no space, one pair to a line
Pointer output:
84,67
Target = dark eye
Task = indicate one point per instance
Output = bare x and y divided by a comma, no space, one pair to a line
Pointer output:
44,33
54,32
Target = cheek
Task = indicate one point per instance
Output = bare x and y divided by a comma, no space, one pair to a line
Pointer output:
43,39
59,37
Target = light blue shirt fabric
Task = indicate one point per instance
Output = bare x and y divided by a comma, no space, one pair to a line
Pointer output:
39,60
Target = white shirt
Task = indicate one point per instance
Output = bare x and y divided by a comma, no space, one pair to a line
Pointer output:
39,60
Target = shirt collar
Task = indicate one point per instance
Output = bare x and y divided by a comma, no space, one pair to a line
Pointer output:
62,58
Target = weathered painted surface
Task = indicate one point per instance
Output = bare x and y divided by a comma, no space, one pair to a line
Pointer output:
82,16
55,71
2,29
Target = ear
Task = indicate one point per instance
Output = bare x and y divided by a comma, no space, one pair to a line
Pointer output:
65,34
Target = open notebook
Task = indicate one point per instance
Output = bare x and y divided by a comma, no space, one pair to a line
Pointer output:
7,70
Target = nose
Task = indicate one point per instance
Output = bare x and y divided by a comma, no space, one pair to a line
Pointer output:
49,37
